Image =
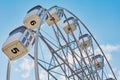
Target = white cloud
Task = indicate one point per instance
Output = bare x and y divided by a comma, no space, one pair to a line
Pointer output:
108,50
110,75
118,75
17,70
62,78
26,66
70,58
43,75
26,74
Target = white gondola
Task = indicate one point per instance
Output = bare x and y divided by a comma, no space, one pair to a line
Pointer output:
18,43
54,14
34,16
85,41
70,25
110,79
98,61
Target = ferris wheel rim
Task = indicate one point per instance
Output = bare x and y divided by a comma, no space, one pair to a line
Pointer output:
92,37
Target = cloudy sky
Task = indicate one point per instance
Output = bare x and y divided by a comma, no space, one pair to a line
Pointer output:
102,17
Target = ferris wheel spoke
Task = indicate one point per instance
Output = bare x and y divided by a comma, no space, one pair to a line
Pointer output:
68,45
52,50
43,67
54,56
72,53
62,48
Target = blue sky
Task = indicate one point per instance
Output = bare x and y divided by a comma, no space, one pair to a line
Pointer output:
102,17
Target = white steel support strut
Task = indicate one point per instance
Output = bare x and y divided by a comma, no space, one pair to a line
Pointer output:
36,58
8,70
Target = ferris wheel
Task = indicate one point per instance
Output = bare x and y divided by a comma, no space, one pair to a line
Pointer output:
63,46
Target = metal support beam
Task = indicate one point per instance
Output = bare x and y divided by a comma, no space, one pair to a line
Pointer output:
36,57
8,70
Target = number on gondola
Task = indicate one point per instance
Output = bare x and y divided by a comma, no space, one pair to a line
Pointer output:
15,50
